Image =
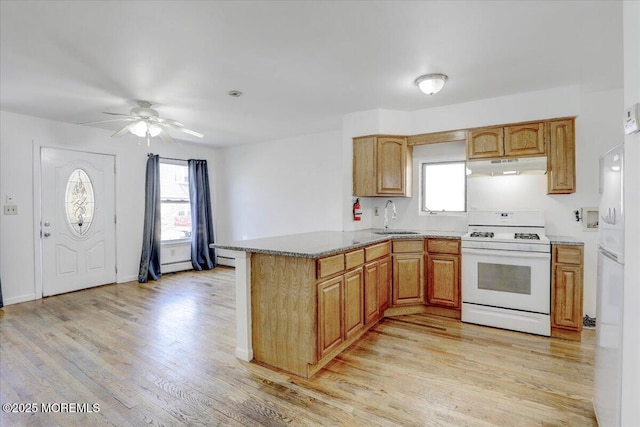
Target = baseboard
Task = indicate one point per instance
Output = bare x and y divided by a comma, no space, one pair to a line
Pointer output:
19,299
125,279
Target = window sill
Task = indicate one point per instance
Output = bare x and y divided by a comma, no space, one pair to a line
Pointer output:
177,242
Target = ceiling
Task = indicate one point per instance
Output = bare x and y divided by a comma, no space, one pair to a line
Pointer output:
301,65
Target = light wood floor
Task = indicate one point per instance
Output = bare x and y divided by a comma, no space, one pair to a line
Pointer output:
162,354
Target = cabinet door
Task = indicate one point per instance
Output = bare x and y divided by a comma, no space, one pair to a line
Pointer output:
524,140
567,296
364,166
391,154
371,286
443,280
330,294
485,143
561,158
408,279
385,284
353,302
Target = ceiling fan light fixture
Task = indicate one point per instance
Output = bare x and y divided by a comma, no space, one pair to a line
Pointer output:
139,129
431,84
154,130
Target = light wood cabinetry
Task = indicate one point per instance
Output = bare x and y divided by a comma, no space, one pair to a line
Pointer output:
561,160
566,291
443,275
353,297
330,315
371,287
518,140
381,166
485,143
306,311
408,272
376,281
525,139
384,294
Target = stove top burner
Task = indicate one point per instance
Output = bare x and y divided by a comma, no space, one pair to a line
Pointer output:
482,234
527,236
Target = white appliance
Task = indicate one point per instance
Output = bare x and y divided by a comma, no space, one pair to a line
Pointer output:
610,289
529,165
506,267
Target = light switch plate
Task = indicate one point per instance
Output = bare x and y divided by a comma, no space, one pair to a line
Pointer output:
11,209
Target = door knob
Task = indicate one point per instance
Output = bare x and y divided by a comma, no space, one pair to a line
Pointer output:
47,234
47,223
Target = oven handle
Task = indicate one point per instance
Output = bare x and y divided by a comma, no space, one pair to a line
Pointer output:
512,254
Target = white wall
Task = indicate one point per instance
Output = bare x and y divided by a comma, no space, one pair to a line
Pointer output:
280,187
597,129
631,332
20,139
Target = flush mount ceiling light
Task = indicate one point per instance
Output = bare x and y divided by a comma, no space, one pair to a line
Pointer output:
144,121
431,83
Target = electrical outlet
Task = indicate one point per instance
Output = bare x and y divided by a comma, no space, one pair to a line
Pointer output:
11,209
376,211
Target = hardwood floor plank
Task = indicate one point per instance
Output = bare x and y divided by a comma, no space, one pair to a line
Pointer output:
162,354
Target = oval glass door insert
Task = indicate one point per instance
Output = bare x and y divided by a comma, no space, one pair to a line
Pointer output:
79,202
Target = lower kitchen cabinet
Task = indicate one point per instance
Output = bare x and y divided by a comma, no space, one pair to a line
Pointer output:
443,280
566,291
384,295
371,288
330,308
408,279
353,307
443,277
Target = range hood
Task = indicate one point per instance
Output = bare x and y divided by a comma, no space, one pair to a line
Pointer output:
522,165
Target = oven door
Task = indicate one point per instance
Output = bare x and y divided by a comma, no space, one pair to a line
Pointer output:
507,279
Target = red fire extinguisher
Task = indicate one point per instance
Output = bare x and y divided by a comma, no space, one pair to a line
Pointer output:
357,210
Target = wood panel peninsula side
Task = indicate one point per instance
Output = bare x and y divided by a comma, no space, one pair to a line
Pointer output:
302,299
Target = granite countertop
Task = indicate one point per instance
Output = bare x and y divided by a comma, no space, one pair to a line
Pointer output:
564,240
322,243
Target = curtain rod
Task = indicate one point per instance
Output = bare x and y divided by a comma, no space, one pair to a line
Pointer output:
169,158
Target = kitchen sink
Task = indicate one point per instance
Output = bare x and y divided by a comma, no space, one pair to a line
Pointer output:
388,232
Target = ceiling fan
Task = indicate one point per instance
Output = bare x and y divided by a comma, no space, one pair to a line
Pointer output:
144,121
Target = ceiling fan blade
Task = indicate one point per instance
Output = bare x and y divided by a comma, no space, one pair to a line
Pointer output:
165,137
116,114
191,132
179,126
126,119
122,131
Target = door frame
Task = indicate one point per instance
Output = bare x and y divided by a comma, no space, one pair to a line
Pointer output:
37,207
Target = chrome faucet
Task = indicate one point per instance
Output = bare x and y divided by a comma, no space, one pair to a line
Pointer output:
393,214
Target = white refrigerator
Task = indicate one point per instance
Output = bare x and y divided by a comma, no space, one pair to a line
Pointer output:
609,301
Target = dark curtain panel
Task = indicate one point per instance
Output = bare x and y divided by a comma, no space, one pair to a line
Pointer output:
150,259
202,257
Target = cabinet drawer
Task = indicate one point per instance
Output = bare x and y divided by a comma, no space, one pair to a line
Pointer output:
354,259
405,246
568,255
330,265
443,246
376,251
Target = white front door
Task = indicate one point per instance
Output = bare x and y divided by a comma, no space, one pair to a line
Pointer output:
77,221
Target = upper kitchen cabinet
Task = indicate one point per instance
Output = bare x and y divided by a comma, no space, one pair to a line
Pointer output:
526,139
561,159
518,140
485,143
381,166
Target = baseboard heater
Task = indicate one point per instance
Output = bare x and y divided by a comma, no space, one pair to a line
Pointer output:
228,261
